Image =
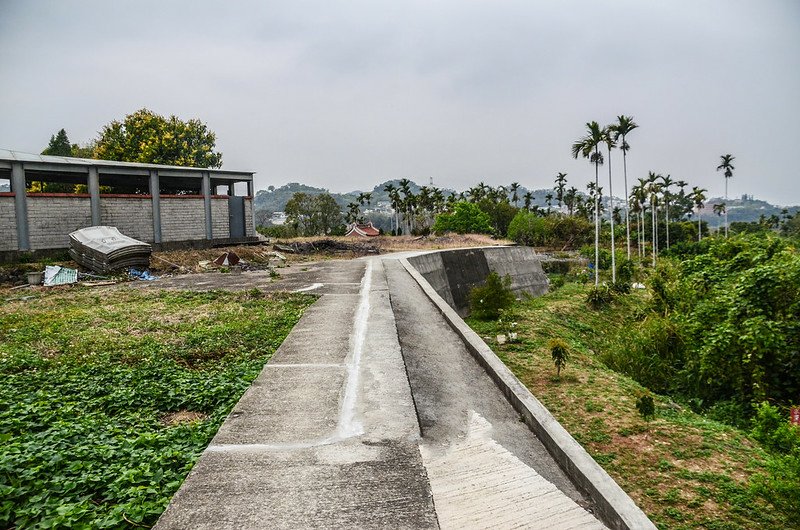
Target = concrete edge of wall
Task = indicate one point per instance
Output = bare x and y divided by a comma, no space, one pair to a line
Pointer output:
616,508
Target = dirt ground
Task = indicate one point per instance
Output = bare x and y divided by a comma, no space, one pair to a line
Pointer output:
266,256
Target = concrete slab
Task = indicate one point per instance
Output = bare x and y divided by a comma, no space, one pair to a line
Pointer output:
327,435
282,407
448,385
323,334
477,483
349,485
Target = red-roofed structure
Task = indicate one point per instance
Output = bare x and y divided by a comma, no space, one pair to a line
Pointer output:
360,230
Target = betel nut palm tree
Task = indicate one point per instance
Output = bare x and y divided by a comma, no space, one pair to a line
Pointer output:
588,147
639,197
514,193
725,164
622,128
653,189
561,185
608,139
698,198
666,183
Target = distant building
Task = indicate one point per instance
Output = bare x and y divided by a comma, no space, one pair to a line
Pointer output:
278,218
168,206
362,230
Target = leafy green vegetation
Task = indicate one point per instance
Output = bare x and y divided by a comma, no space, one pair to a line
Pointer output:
465,218
683,469
109,397
487,301
722,327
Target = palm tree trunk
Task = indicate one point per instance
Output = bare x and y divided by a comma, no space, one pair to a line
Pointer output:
726,206
596,223
699,227
627,216
611,217
667,225
655,231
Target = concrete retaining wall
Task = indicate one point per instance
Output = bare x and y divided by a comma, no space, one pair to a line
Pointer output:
453,273
133,216
616,508
8,223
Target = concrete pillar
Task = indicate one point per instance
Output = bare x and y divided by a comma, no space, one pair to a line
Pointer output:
21,205
155,194
93,183
207,204
250,189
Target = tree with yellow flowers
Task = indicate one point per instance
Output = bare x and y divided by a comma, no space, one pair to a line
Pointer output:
150,138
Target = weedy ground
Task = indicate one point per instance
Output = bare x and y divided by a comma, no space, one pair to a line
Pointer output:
683,470
109,397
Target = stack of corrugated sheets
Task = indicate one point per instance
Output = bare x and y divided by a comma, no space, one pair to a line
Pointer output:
104,249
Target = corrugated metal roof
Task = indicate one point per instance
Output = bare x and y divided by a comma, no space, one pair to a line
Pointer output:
8,155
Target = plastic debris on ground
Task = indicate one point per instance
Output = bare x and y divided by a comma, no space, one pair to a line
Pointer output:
57,275
104,248
136,274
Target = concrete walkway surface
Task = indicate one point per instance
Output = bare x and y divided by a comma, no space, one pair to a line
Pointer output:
373,414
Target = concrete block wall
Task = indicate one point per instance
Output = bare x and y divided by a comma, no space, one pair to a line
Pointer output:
51,219
182,219
250,228
8,223
133,216
220,221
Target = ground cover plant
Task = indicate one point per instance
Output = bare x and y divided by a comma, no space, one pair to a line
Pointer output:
683,469
108,397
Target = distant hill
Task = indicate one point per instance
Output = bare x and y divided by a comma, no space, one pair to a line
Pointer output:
745,209
274,199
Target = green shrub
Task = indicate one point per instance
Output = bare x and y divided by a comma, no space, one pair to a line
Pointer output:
488,300
528,228
604,256
277,231
773,430
599,296
556,266
646,407
782,485
559,350
651,353
466,218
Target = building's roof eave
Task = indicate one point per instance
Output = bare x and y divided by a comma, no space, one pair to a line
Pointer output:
9,156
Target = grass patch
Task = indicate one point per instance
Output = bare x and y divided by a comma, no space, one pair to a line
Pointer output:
682,469
109,397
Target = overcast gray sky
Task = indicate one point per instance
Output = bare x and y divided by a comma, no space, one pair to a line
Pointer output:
347,94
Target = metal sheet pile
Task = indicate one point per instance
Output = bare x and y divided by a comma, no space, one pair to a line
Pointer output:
104,249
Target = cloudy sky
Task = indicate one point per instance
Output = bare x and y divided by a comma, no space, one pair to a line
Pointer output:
346,94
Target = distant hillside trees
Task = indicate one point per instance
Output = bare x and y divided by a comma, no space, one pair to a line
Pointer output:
466,218
314,215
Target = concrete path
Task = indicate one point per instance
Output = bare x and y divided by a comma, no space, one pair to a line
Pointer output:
336,433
